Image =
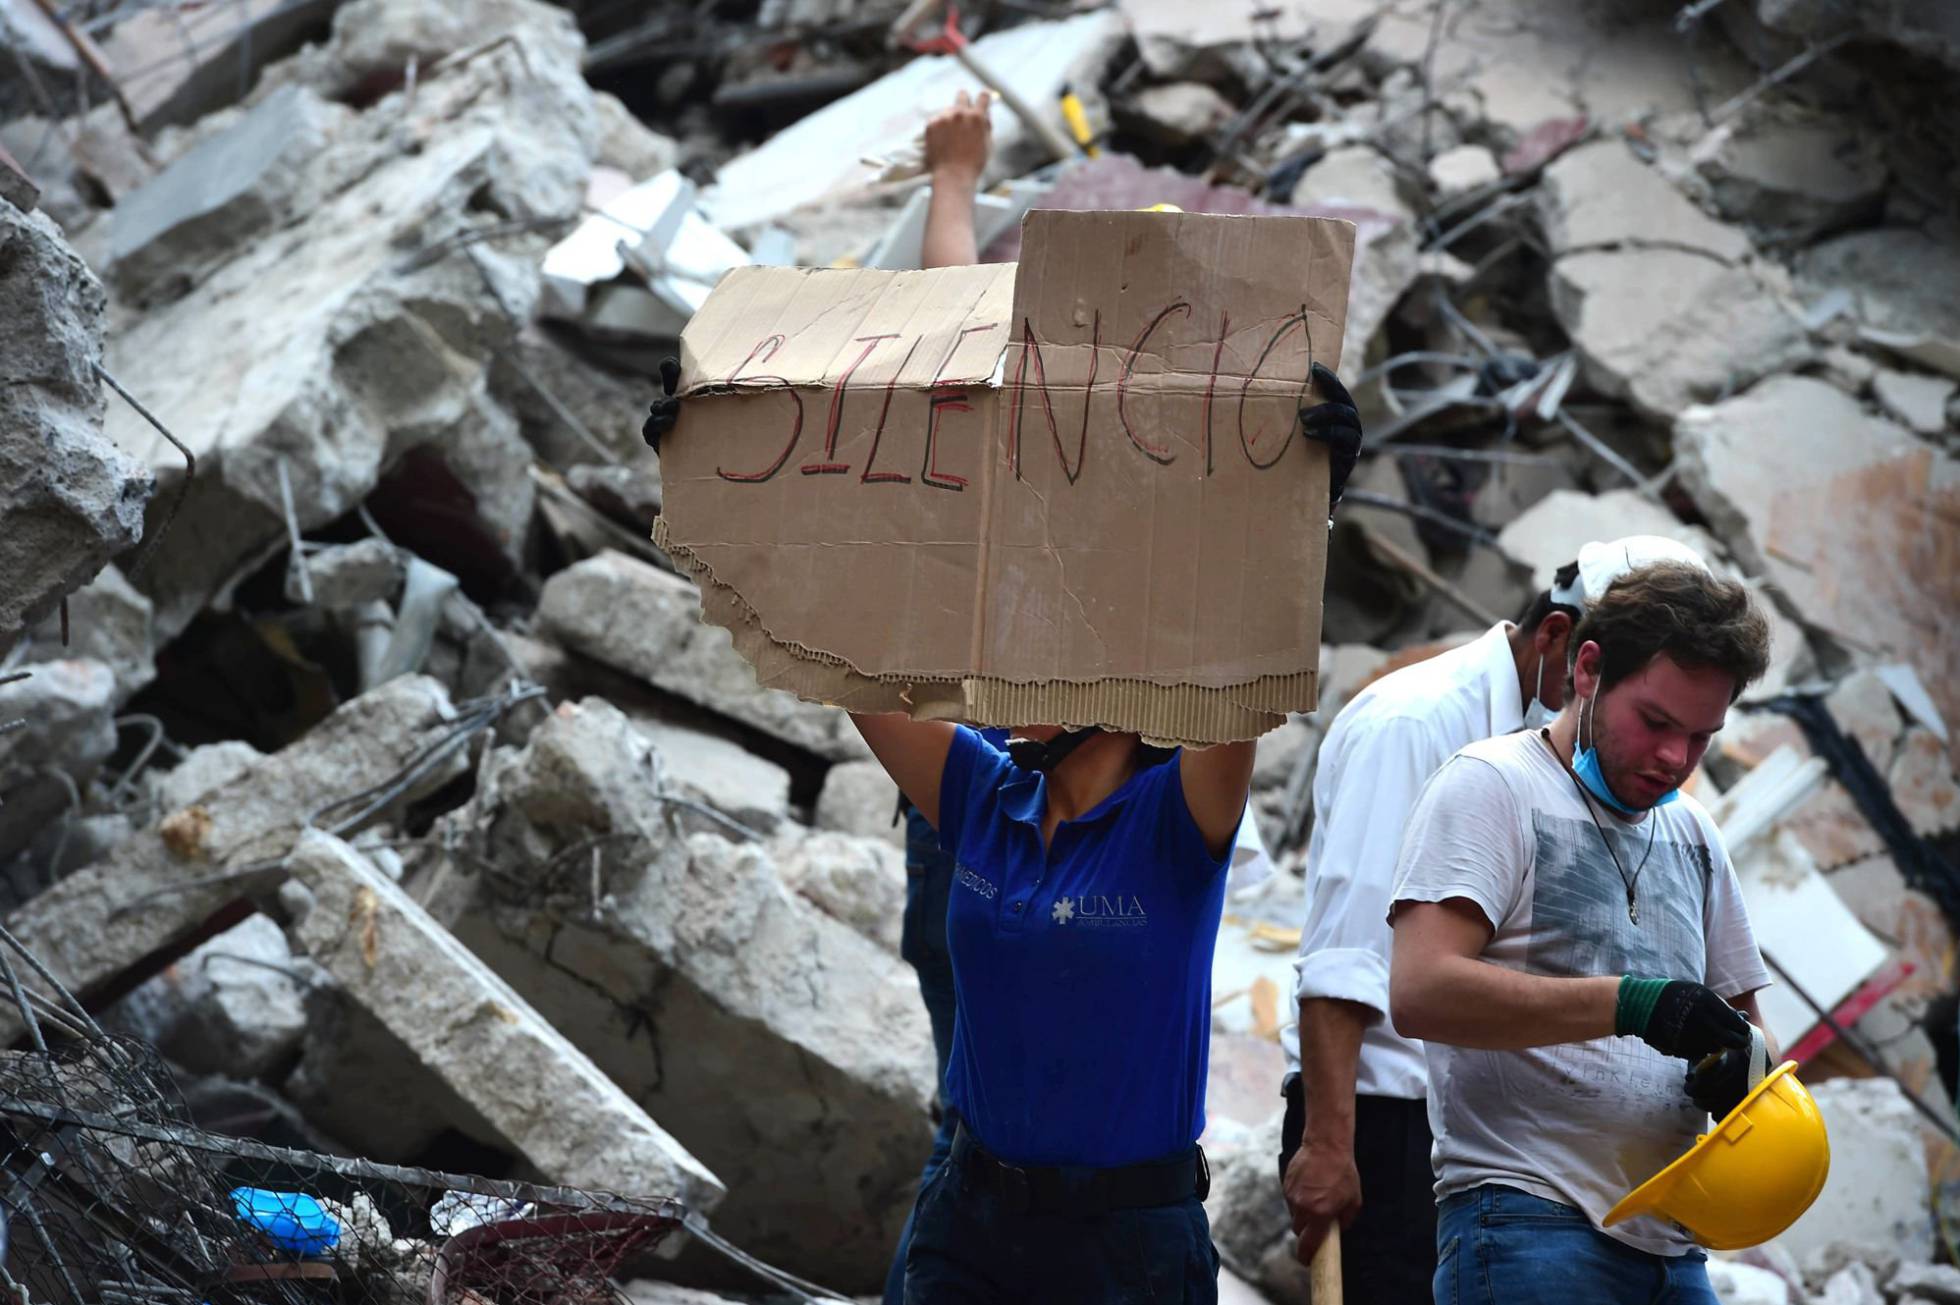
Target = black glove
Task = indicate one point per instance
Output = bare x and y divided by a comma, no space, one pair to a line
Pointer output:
1679,1018
666,409
1337,424
1719,1083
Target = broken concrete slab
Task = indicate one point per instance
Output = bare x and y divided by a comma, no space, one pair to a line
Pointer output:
1862,706
1278,752
691,965
1528,65
1902,283
227,190
1854,1284
545,1098
45,71
1745,1284
1923,27
372,42
1176,40
1353,177
1385,261
349,1060
1937,1283
1922,783
623,491
68,707
725,775
1873,1207
859,798
854,880
1859,529
366,343
1916,401
1833,830
175,65
109,621
462,498
647,622
69,499
1177,113
89,931
110,160
628,144
609,405
347,575
1250,1226
1549,534
1663,327
1600,195
202,770
16,187
654,228
1849,370
234,1006
1457,172
1791,179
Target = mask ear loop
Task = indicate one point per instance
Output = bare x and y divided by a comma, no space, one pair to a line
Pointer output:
1538,681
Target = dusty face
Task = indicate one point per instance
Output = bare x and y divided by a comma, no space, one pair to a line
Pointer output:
1652,728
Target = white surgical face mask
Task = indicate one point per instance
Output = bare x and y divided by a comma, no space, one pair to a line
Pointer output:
1536,714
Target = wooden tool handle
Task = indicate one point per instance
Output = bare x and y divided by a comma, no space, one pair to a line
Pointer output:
1324,1275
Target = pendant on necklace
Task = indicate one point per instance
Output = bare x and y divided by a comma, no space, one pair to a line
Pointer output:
1633,909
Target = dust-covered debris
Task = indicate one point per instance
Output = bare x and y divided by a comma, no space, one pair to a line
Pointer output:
1688,270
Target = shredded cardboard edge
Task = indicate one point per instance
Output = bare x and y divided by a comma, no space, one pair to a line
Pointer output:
1170,715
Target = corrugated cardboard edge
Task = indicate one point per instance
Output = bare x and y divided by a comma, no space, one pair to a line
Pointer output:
1180,715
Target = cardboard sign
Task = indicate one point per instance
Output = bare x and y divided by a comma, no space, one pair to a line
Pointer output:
1073,491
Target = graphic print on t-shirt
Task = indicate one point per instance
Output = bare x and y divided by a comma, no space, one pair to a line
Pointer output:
1579,922
1579,926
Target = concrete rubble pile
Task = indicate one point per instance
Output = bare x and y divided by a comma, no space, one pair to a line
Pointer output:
358,747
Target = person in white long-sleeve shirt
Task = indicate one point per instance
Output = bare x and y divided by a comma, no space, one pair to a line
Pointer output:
1356,1143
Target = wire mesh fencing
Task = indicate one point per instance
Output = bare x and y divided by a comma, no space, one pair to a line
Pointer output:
110,1194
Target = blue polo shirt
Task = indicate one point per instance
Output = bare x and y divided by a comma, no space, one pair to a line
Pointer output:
1083,971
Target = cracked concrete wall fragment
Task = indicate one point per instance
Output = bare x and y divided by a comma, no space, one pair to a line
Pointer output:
69,498
783,1047
542,1096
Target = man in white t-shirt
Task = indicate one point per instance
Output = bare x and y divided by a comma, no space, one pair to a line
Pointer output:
1571,945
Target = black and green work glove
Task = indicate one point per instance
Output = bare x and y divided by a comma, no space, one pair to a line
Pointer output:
666,410
1337,424
1719,1083
1678,1018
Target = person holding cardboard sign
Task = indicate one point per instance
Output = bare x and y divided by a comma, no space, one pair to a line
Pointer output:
1085,909
1079,489
1081,925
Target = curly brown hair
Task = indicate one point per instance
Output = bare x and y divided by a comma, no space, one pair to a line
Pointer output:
1696,618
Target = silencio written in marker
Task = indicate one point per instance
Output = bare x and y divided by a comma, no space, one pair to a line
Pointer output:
1027,388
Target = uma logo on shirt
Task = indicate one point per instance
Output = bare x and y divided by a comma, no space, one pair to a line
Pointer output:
1100,910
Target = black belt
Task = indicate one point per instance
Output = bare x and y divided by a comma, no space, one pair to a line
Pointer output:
1082,1191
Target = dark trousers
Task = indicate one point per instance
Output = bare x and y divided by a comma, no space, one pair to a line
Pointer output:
969,1247
1389,1256
928,882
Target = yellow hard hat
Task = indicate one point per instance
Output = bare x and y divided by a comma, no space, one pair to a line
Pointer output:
1161,208
1748,1179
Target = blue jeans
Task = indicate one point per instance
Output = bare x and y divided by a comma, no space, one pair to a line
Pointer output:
969,1248
928,882
1499,1246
